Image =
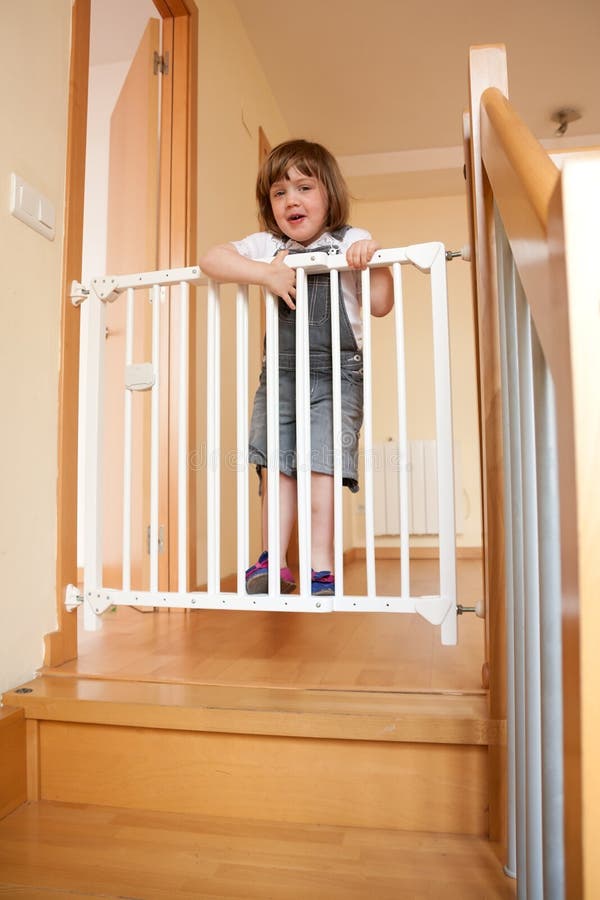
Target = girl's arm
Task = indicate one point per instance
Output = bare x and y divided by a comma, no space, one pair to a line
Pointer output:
223,263
358,255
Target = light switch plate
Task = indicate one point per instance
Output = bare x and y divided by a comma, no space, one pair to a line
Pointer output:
31,207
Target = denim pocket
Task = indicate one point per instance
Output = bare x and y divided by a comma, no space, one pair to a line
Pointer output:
318,299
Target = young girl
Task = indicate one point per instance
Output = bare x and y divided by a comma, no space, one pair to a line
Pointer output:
303,205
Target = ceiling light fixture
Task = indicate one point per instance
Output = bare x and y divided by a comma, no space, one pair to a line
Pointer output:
564,117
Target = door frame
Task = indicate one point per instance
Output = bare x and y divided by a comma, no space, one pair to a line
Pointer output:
177,247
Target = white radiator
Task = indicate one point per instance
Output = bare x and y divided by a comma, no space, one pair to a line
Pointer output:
422,485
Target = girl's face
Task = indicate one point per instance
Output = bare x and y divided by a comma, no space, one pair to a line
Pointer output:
300,206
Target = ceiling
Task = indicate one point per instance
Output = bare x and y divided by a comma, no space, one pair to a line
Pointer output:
383,82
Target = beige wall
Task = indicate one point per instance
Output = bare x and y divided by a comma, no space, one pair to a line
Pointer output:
34,48
234,99
397,224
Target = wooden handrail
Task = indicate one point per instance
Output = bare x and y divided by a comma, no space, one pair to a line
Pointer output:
537,173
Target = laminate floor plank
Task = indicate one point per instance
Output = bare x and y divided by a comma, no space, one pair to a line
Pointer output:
53,850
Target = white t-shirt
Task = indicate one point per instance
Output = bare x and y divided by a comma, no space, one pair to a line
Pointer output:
263,245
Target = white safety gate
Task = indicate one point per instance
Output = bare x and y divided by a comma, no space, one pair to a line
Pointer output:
440,609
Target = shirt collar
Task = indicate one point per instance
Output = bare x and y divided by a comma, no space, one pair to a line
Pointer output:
324,240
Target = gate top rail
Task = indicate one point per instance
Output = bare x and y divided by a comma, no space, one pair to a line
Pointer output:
108,287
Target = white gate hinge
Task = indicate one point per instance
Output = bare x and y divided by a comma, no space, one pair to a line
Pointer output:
73,598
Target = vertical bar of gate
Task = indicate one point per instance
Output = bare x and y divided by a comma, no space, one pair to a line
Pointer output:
444,444
518,591
243,521
272,322
94,434
336,382
402,430
182,437
127,443
550,628
303,443
535,882
213,435
368,432
504,281
155,438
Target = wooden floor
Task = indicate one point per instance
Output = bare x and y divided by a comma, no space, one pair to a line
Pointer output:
344,651
54,851
51,851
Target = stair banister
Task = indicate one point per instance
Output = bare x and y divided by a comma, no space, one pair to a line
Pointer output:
545,278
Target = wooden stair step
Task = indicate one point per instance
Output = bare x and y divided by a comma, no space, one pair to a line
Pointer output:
451,718
347,758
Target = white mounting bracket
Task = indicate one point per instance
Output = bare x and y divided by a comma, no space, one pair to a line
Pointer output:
73,598
78,293
478,609
464,253
434,609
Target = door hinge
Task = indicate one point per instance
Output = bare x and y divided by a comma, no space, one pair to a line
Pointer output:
161,63
161,538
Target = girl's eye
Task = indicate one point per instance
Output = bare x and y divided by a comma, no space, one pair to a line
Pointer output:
278,193
305,187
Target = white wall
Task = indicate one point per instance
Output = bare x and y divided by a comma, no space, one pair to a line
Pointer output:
34,48
397,224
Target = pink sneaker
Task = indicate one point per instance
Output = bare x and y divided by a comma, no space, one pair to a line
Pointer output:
257,577
323,583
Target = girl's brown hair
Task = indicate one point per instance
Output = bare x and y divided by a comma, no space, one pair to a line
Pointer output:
310,159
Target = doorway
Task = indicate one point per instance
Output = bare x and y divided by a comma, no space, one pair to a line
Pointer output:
127,228
175,246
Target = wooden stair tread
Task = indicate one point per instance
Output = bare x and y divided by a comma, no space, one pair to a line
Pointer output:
454,718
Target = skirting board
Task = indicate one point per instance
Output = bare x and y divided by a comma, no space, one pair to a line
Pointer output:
356,553
229,582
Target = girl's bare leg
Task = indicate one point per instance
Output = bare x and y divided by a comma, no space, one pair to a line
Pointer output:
322,522
287,513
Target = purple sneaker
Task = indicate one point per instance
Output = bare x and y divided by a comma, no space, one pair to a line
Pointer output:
257,577
322,583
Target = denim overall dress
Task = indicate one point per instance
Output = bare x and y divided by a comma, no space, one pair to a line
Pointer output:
321,396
